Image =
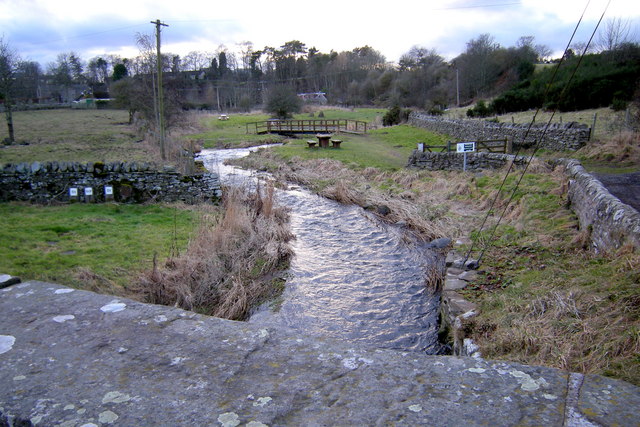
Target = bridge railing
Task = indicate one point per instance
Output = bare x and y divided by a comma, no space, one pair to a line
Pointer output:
307,126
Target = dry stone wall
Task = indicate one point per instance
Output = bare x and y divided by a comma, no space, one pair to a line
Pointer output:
558,137
611,223
99,182
455,161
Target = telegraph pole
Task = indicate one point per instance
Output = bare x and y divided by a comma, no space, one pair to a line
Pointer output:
457,90
158,25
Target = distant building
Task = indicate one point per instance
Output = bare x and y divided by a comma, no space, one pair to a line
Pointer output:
313,98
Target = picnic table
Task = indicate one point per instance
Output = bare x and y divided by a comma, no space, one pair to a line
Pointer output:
323,140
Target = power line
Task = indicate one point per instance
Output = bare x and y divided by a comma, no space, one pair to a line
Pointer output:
537,144
87,35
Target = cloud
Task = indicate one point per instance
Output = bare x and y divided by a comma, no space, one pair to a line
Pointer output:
40,29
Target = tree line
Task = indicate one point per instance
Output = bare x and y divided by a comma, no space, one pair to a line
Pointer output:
243,79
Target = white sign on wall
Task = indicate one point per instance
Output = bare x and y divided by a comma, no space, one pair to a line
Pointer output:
108,190
73,192
465,147
88,191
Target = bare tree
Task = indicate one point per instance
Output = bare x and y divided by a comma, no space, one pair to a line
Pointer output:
66,71
8,63
196,61
615,33
528,42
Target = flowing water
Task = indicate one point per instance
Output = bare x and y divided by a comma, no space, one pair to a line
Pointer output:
352,277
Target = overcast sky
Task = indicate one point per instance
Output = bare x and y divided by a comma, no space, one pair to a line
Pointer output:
40,29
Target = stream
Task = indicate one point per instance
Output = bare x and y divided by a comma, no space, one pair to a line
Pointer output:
352,277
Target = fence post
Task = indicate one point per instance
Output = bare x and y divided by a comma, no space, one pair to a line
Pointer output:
593,128
448,146
627,121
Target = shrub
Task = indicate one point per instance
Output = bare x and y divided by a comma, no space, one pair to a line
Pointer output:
282,102
480,110
395,115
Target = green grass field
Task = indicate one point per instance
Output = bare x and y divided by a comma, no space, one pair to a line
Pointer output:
387,148
239,130
72,135
113,241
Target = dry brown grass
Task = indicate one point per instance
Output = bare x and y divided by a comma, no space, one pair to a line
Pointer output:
229,265
571,327
95,282
623,147
428,203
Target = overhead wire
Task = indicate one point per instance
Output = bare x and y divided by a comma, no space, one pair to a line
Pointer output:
537,143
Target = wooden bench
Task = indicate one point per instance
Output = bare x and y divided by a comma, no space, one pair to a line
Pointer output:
312,144
335,143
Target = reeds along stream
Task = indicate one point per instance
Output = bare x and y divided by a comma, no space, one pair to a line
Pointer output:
352,277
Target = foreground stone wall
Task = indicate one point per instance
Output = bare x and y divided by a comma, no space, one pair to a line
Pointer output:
611,223
99,182
455,161
559,137
74,358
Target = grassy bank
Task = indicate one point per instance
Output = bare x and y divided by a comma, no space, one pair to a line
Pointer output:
100,247
231,133
233,263
386,148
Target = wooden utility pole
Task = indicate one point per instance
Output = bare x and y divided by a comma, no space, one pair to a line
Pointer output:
457,90
158,25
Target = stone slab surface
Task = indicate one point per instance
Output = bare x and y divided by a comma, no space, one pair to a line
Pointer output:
454,284
76,358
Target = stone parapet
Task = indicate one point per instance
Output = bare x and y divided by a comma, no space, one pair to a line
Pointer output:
73,358
610,223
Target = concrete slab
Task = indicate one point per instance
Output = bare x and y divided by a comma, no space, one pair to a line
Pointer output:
74,358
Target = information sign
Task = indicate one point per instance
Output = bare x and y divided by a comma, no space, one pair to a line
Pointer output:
466,147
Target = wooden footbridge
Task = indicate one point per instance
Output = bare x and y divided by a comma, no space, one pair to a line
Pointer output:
307,126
